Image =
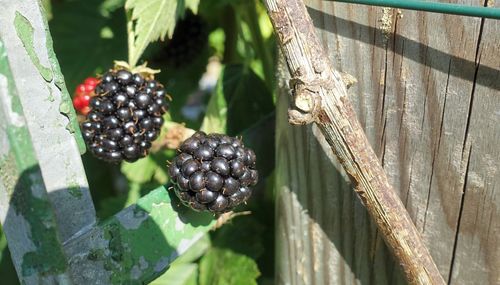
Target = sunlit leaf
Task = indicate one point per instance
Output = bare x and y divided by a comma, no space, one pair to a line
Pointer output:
224,267
153,20
178,274
193,5
195,251
140,171
216,113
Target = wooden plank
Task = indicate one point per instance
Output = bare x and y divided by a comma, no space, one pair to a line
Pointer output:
27,217
320,223
416,72
477,255
50,118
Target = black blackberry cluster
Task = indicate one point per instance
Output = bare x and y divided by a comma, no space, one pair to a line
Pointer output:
213,172
125,117
188,40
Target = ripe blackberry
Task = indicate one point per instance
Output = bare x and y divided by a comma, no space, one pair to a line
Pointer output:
188,40
125,116
213,172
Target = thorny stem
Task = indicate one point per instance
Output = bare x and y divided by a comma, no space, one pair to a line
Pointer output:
320,97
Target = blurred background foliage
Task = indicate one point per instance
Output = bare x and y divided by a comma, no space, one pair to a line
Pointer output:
219,68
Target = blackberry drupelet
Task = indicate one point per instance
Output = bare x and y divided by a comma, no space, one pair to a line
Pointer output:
125,116
213,172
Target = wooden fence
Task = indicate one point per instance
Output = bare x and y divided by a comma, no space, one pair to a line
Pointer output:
428,96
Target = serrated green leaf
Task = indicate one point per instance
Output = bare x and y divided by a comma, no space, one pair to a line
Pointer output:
154,19
140,171
225,267
178,274
192,5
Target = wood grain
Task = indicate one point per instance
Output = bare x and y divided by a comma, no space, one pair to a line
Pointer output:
319,96
476,256
428,98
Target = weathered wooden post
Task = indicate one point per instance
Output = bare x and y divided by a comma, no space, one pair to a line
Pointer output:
427,97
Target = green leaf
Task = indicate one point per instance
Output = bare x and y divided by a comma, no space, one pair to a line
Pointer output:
180,83
85,41
216,40
193,5
216,113
109,6
224,267
210,6
195,251
248,99
179,274
110,206
140,171
259,137
161,176
247,230
154,19
7,270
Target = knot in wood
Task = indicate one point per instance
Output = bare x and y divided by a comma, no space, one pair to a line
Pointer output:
306,104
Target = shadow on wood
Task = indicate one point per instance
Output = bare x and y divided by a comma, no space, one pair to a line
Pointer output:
410,49
324,234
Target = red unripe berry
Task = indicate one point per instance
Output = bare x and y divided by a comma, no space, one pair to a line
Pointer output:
83,94
89,88
91,81
77,103
85,110
85,99
80,90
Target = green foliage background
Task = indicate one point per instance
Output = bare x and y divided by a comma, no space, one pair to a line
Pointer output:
89,34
